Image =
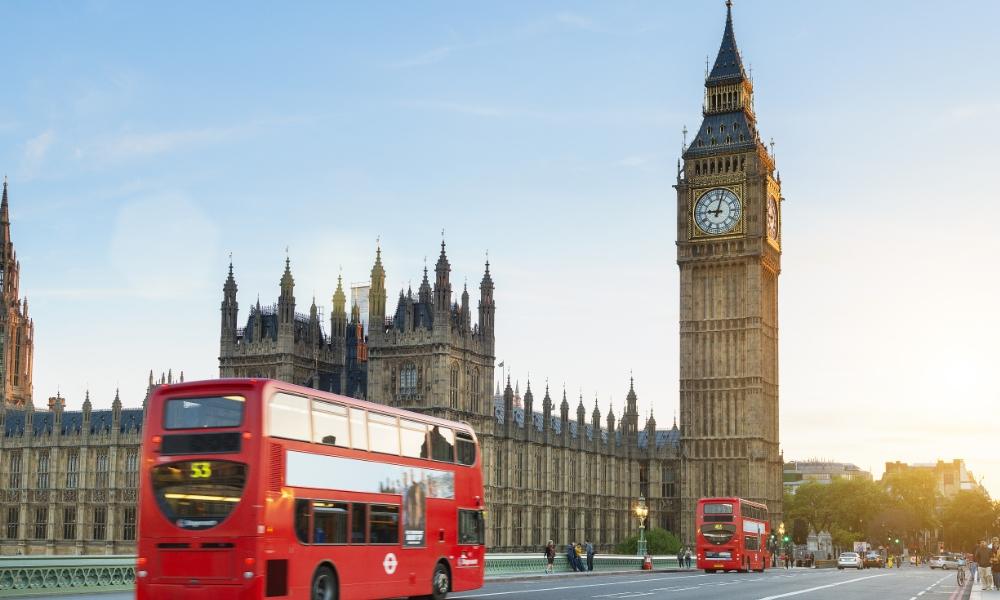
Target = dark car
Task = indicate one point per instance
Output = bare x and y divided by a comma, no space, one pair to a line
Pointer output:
873,559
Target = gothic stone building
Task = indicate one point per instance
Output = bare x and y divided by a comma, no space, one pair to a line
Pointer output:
17,331
69,479
279,343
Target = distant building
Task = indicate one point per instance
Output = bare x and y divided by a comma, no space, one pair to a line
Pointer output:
798,472
359,298
69,479
951,477
17,331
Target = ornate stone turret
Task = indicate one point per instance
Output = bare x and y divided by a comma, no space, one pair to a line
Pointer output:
487,308
230,311
286,302
442,289
376,299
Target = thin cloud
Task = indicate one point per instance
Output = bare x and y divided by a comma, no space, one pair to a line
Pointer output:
426,58
575,21
35,151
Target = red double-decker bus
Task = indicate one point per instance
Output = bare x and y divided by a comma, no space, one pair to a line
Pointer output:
732,535
262,489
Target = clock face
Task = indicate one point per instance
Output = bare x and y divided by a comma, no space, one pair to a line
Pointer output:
717,211
772,218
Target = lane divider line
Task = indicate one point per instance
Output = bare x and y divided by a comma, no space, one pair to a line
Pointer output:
821,587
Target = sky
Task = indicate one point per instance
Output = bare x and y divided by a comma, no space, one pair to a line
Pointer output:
145,143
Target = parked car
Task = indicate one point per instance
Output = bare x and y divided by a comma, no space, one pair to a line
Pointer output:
849,560
873,559
938,561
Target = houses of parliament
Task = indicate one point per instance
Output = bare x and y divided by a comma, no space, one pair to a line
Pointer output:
554,468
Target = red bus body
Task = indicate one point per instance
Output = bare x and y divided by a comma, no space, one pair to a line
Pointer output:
230,510
732,535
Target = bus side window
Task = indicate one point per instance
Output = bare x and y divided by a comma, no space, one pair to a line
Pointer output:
329,522
470,527
302,520
466,449
383,524
330,424
383,433
358,522
359,431
288,417
413,436
442,444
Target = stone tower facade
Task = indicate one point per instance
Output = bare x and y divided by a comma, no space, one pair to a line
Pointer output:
17,331
429,356
279,343
729,254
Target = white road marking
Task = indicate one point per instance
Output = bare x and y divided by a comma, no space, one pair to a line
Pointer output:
571,587
821,587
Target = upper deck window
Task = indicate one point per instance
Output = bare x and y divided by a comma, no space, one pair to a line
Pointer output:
718,508
203,413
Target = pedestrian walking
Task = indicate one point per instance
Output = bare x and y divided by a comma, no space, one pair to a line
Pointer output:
995,562
973,567
550,557
590,555
687,558
982,556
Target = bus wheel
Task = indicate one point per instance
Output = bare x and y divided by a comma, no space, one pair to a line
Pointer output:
440,582
324,585
710,570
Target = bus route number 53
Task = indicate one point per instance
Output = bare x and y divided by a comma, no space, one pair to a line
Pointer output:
201,470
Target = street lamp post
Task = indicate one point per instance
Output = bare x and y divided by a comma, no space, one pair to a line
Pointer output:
641,512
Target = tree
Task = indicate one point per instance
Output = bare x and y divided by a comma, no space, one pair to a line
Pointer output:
812,505
966,518
800,531
914,493
658,541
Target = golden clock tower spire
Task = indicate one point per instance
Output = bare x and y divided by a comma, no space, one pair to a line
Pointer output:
729,255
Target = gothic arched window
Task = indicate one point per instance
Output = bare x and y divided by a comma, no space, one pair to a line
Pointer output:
454,386
408,380
476,393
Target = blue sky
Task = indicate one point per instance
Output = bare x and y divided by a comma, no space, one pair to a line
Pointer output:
145,143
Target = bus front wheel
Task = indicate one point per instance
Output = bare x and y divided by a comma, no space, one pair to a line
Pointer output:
324,584
440,582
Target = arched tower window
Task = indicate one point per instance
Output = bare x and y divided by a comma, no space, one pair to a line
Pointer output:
408,380
476,392
454,386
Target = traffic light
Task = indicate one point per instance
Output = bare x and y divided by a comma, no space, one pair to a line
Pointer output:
897,540
785,539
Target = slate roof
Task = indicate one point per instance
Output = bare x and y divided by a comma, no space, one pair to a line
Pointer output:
728,66
43,422
669,437
722,133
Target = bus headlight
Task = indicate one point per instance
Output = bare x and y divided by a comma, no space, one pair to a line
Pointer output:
247,574
141,574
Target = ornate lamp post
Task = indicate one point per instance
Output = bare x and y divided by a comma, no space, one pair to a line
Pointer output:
641,512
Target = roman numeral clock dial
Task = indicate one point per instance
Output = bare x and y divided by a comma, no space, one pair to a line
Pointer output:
717,211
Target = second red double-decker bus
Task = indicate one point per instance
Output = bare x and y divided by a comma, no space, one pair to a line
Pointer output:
261,489
732,535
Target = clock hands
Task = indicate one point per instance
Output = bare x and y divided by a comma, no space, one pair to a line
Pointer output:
718,206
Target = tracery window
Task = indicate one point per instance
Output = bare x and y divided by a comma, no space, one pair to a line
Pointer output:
408,380
43,470
454,386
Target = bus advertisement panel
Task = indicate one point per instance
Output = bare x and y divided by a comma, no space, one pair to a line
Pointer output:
261,489
732,535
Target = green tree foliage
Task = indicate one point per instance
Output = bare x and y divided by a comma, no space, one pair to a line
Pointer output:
812,505
966,518
658,541
914,493
800,531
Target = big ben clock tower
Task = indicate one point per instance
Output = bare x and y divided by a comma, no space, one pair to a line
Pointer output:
729,254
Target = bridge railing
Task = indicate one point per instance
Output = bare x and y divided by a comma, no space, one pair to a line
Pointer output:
46,575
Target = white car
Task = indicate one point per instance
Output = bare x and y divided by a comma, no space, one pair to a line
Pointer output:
944,561
849,560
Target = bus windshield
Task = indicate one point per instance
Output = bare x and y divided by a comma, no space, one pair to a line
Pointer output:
198,494
201,413
719,508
